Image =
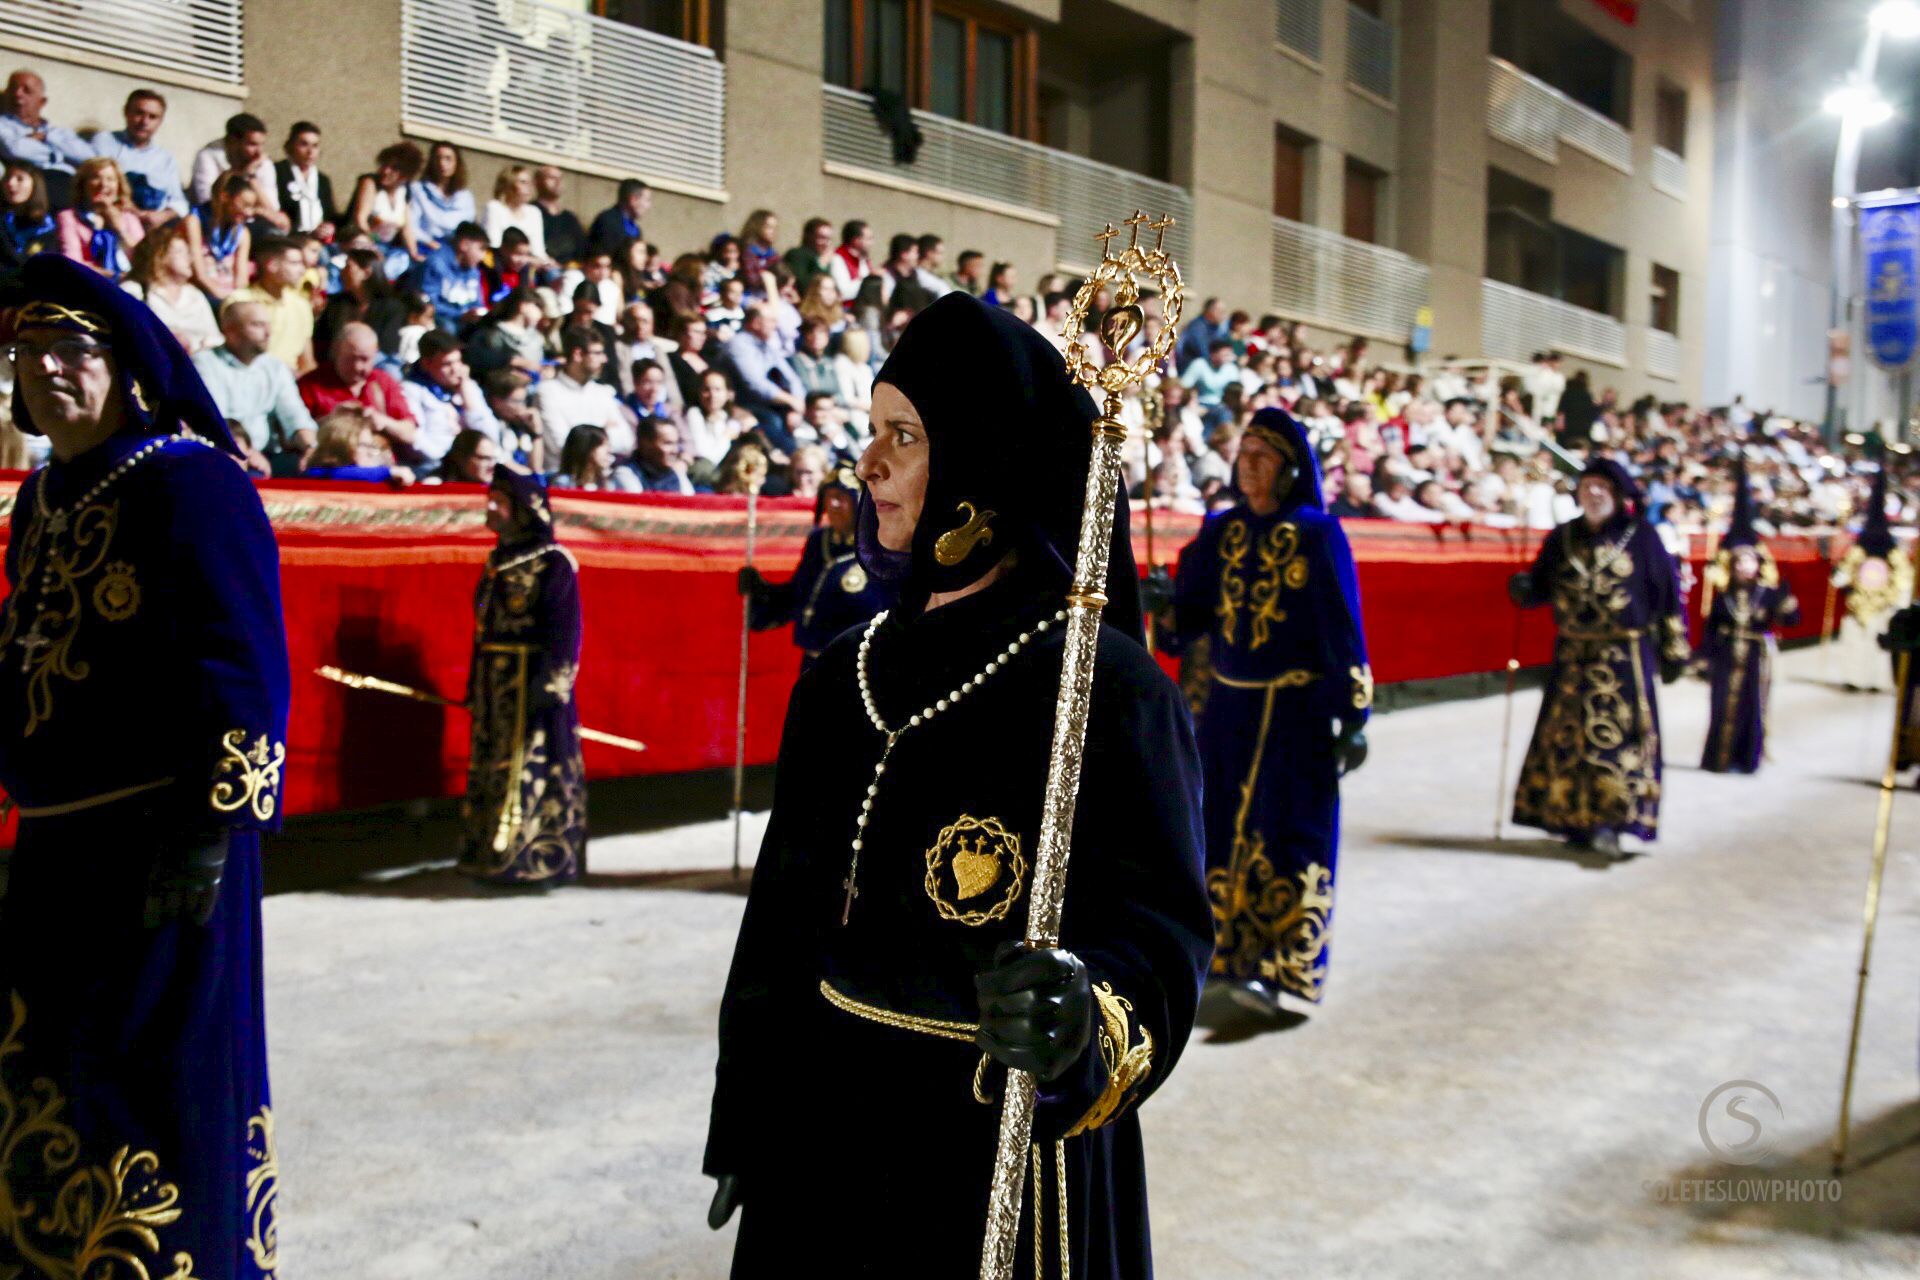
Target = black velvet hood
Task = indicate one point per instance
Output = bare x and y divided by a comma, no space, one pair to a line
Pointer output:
1010,439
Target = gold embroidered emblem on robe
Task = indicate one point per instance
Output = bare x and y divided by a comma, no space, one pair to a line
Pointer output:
116,596
248,777
955,545
969,861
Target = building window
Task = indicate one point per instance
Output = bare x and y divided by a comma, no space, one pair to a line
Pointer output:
1290,175
1670,118
1666,299
689,20
1361,217
944,58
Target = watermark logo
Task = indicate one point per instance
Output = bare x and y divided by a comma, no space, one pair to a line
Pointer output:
1739,1121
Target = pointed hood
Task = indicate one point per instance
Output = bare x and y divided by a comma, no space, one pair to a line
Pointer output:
1876,535
1741,533
528,494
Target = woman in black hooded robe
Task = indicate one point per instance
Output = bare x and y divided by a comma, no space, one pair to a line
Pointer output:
875,998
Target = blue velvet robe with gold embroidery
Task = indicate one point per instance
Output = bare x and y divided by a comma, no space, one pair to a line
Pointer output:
1739,649
143,701
1277,603
1594,763
828,593
849,1095
526,804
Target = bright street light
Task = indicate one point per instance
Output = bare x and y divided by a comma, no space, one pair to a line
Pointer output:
1859,104
1898,18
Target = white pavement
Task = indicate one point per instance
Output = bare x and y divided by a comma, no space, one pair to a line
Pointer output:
1506,1080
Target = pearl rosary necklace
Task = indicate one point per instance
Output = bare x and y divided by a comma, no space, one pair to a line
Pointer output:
925,714
56,524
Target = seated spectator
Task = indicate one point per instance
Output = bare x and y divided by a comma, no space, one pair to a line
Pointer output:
613,227
383,206
1435,497
1003,282
597,271
638,342
575,395
967,270
723,264
585,303
903,259
450,278
854,366
1356,497
785,301
813,363
639,271
689,360
364,295
152,174
162,277
222,244
822,304
852,262
26,134
805,473
1052,322
512,206
714,422
1210,378
510,397
255,392
471,459
758,252
1022,307
766,384
278,265
102,228
1215,464
566,238
748,455
509,338
657,459
825,424
926,272
439,201
1393,498
27,224
813,256
510,270
349,449
586,462
242,150
305,193
352,376
682,297
444,398
727,315
649,399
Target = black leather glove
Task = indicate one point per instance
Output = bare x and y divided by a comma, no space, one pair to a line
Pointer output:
1672,669
1351,747
749,581
1903,631
726,1198
1036,1009
185,881
1519,587
1156,591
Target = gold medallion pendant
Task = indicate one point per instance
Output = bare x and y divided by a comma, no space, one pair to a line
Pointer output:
979,862
854,580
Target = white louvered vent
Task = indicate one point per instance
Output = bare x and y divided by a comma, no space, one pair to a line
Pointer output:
1083,194
1515,323
1325,278
531,75
1534,116
1670,173
197,37
1663,355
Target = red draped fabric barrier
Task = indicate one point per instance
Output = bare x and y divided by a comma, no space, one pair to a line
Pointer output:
381,583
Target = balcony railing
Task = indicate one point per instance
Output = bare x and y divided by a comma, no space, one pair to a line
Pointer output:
1534,116
977,164
1670,173
531,77
1369,53
1325,278
195,37
1515,323
1663,355
1296,24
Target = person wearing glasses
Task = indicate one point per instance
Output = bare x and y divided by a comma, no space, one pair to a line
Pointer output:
143,731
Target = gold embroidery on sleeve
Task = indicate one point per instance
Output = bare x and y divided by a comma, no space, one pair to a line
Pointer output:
263,1193
257,784
1128,1064
1362,687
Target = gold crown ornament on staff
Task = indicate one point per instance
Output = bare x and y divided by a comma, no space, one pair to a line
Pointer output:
1123,271
374,684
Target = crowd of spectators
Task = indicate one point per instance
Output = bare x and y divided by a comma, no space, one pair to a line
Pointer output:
412,331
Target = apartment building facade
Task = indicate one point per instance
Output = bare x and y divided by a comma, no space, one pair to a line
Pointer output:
1504,175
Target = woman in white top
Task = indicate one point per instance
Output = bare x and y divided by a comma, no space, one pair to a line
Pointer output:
162,277
855,369
713,424
381,205
512,206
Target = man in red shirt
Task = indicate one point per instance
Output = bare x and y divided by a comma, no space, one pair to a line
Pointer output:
351,375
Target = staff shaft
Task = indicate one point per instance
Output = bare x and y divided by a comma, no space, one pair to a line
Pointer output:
374,684
740,702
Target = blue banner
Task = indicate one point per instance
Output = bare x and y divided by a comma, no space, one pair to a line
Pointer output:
1890,243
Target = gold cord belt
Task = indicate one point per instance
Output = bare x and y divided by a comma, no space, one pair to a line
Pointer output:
80,806
1603,636
902,1021
1285,680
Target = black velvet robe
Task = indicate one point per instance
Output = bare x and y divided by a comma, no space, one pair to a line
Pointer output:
846,1099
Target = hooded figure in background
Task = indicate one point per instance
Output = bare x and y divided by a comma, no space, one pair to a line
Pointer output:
877,992
1749,604
829,592
1878,578
1268,587
526,803
1592,771
143,730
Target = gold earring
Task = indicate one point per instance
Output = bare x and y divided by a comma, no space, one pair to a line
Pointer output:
955,545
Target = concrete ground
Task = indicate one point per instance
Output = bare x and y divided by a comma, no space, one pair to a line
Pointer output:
1507,1078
